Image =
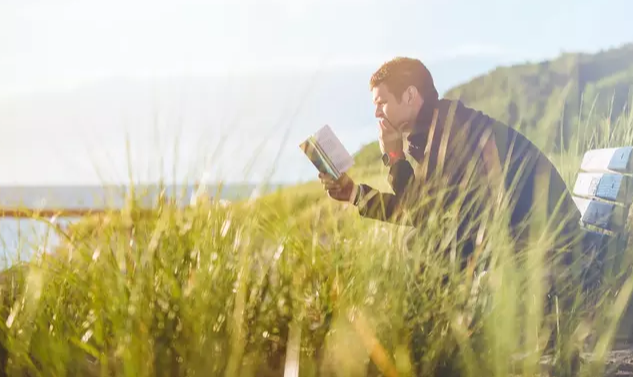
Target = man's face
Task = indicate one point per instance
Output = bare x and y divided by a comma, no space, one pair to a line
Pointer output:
390,111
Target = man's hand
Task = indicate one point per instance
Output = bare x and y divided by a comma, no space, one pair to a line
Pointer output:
390,140
343,189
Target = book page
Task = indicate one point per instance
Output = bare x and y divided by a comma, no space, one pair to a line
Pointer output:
332,146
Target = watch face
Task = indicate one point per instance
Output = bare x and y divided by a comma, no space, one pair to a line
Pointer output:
385,159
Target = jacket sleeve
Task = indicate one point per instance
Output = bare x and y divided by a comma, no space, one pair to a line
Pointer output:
413,196
388,207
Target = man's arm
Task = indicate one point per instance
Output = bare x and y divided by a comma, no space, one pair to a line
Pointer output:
389,207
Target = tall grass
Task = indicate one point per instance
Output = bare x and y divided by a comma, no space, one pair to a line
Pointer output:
225,290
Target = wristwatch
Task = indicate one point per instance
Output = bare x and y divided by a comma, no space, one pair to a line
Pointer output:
389,158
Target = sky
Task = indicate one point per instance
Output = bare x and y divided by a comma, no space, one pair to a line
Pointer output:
55,47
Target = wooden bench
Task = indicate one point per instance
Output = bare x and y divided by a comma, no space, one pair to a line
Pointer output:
603,192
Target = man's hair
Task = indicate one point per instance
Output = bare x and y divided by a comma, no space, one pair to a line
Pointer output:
400,73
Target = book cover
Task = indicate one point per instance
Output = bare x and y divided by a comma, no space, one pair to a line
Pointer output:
327,153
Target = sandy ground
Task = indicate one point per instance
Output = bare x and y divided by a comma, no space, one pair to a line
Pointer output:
619,362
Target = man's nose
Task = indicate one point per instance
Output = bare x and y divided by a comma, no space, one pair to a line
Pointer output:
378,113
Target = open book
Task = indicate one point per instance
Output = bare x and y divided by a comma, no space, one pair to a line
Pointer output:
327,153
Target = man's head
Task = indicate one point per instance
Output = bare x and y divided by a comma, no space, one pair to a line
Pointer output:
399,89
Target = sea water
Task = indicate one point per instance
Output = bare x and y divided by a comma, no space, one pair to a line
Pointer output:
20,238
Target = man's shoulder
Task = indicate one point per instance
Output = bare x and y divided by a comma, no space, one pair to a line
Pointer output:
461,110
462,119
478,121
461,113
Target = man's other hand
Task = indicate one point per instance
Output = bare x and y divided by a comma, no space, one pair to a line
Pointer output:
343,189
390,140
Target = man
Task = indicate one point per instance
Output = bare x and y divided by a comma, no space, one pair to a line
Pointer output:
456,149
463,159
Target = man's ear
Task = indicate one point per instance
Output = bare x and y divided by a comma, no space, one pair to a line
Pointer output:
411,91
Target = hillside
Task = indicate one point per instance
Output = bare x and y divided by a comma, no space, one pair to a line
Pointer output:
537,98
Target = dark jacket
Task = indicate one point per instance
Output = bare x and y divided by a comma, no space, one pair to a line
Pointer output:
454,168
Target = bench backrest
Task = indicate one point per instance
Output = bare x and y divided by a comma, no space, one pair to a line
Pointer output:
603,192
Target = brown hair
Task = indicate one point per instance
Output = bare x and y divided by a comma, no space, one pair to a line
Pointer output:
401,72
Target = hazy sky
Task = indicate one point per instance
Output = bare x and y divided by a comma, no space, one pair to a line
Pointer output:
47,44
55,45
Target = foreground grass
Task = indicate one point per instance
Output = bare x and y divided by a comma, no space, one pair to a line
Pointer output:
215,290
228,290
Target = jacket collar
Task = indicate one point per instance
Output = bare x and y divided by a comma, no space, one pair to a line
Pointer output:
420,130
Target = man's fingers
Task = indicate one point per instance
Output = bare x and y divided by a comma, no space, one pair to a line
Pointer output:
325,177
331,186
390,137
327,181
386,126
335,194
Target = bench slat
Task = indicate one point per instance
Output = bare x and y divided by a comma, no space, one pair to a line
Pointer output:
601,214
608,160
607,186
